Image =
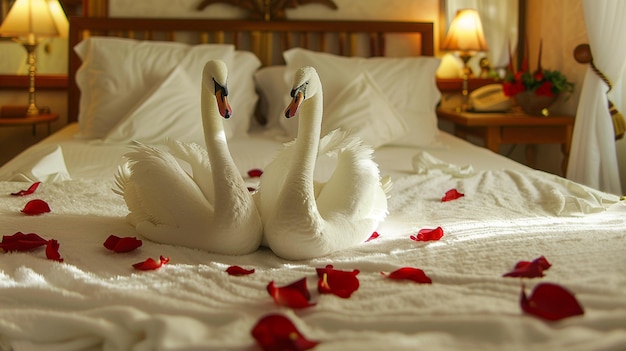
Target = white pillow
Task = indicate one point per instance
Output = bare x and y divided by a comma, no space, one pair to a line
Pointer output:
363,109
116,73
408,83
242,93
171,110
274,93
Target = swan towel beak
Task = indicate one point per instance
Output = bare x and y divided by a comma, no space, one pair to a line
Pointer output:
221,94
294,105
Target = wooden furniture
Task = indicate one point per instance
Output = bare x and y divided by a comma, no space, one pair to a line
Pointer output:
265,39
30,120
513,128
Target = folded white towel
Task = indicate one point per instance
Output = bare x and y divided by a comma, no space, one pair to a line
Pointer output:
44,165
424,163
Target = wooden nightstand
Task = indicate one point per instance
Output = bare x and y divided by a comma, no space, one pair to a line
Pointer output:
32,120
513,128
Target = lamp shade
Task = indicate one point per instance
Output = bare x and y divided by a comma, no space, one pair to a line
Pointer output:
59,17
465,32
30,19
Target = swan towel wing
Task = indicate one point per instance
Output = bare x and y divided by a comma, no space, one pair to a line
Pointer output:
208,208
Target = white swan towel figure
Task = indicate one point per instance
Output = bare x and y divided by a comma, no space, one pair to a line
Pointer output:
210,209
305,219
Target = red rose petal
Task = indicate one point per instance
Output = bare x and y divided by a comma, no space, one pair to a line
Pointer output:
52,250
36,207
150,264
550,302
374,235
294,295
277,332
408,273
28,191
237,271
22,242
255,173
451,194
251,189
336,282
526,269
428,234
125,244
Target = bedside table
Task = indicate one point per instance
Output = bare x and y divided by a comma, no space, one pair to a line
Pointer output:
32,120
497,128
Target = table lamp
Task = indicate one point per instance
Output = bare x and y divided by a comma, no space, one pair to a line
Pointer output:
466,36
28,22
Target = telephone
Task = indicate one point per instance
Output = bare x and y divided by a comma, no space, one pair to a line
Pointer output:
489,98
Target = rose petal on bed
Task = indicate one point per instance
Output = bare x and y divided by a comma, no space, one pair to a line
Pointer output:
150,264
409,273
238,271
337,282
551,302
28,191
124,244
36,207
255,173
451,194
294,295
529,269
251,189
52,250
277,332
374,235
22,242
428,234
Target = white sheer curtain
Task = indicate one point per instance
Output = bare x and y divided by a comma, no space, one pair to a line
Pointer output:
593,157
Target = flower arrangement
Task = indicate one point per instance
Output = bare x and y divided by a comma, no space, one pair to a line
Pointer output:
546,82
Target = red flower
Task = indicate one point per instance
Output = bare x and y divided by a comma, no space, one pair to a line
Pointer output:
451,194
512,88
35,207
336,282
150,264
526,269
374,235
52,250
428,234
550,302
126,244
22,242
255,173
408,273
236,270
294,295
277,332
545,89
28,191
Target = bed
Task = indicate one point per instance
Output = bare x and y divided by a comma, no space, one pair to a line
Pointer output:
476,231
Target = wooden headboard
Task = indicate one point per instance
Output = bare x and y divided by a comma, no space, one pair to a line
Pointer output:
266,39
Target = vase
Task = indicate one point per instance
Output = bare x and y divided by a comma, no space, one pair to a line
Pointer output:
533,104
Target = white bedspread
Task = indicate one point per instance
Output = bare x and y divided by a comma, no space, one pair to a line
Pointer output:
96,300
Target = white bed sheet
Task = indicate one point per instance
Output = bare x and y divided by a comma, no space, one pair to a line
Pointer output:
79,155
95,300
